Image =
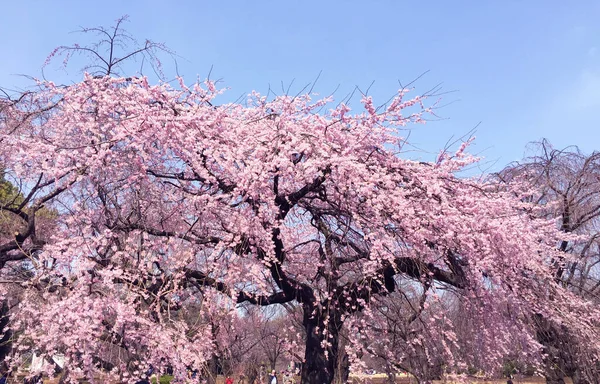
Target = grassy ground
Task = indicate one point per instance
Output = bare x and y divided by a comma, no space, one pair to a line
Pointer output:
163,380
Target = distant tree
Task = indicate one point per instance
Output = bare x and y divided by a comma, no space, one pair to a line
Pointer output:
15,247
7,191
568,185
272,338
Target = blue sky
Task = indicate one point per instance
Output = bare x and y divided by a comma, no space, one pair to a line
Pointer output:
524,69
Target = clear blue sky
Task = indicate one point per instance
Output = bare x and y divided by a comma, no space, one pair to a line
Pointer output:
524,69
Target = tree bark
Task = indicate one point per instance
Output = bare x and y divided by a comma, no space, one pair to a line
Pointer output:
578,377
65,376
553,374
319,364
212,370
342,370
5,344
390,373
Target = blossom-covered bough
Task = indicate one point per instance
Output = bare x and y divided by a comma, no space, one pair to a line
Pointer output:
166,201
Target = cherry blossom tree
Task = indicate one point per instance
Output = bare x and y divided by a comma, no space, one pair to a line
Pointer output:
268,337
164,198
7,229
399,335
14,265
568,182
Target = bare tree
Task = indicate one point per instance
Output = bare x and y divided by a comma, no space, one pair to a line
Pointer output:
108,55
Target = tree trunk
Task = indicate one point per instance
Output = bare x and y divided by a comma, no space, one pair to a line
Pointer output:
319,363
342,369
65,376
273,362
554,366
5,334
212,370
251,374
579,378
553,375
390,373
212,367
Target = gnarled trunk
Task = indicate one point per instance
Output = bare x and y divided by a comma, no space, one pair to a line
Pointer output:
320,363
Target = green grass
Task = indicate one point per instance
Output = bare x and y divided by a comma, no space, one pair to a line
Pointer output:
163,380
